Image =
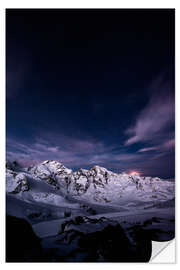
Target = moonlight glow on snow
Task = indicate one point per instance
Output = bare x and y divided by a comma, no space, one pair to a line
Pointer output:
90,134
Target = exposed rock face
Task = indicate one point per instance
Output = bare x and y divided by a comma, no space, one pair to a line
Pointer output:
9,165
12,165
98,240
51,172
16,182
151,230
66,210
96,185
99,181
22,181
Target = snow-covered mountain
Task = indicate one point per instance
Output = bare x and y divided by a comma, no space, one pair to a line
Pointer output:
67,209
97,185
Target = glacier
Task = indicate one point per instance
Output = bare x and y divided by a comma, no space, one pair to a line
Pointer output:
66,208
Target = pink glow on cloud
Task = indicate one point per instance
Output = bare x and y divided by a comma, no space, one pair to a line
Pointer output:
134,173
147,149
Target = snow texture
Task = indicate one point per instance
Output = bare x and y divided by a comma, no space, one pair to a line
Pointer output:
52,198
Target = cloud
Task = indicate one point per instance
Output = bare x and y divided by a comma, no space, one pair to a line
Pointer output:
54,149
76,152
147,149
166,146
72,152
156,118
169,144
73,156
68,150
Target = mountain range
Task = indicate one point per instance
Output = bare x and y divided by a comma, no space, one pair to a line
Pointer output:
65,207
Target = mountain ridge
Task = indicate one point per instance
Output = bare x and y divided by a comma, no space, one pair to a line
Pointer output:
96,184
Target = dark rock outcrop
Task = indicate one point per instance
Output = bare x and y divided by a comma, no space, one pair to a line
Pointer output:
85,239
22,245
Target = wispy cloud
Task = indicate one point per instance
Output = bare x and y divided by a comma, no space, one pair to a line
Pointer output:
147,149
156,117
153,129
169,144
73,152
76,152
166,146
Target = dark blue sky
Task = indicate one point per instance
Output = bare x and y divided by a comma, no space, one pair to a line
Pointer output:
90,87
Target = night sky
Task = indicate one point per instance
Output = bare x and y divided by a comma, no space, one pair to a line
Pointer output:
88,87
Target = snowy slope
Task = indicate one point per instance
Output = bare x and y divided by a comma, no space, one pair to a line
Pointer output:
52,198
51,182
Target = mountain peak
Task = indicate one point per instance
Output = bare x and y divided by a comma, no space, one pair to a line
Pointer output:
96,184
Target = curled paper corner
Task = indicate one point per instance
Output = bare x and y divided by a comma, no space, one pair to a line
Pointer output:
163,252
